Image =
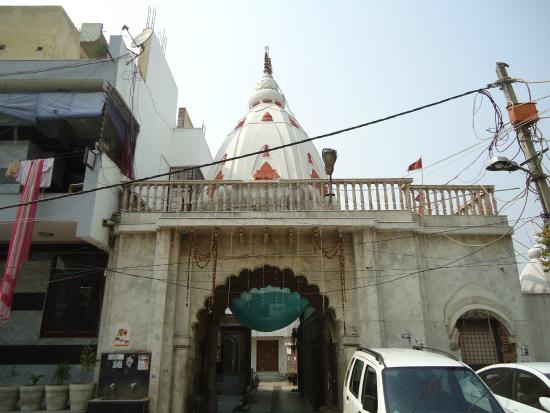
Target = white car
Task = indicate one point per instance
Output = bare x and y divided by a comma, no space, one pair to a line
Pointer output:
520,387
398,380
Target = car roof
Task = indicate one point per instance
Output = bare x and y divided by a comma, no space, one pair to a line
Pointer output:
406,357
540,366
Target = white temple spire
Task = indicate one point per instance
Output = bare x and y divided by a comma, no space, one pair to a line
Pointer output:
268,69
267,125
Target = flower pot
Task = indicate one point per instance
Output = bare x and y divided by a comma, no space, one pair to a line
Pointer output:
8,397
31,397
79,394
57,396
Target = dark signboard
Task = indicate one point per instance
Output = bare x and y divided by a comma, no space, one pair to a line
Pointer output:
124,376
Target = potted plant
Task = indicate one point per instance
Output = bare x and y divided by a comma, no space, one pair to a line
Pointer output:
57,393
32,395
79,394
9,393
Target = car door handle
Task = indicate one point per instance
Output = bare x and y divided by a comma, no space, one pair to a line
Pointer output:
347,398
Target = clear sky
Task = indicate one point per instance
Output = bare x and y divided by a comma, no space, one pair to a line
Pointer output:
341,63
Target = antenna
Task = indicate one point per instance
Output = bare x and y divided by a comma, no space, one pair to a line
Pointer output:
140,39
153,17
148,17
163,40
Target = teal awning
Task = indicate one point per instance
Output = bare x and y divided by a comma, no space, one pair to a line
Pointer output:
268,309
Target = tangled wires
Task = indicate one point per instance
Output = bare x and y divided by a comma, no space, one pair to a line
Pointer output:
499,124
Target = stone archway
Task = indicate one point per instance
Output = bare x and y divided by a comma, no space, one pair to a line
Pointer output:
205,350
483,339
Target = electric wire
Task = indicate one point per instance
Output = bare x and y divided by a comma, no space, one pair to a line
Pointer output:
63,67
497,260
397,278
279,147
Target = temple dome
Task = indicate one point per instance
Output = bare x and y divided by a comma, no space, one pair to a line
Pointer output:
534,279
267,89
265,126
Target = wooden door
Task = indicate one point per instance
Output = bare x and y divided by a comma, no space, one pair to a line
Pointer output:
267,355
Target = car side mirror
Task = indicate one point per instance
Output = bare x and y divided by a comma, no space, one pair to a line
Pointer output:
370,403
545,403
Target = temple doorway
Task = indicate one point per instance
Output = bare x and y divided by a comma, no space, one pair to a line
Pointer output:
267,355
256,299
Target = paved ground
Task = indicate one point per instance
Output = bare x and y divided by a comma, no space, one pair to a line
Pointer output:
275,397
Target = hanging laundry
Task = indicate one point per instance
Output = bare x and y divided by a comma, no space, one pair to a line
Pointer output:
47,170
13,169
21,236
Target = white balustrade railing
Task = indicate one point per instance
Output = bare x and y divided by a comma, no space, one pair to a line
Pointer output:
308,195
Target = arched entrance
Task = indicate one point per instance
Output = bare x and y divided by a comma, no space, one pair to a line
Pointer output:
484,340
219,348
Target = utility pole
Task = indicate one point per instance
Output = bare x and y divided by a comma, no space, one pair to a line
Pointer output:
526,142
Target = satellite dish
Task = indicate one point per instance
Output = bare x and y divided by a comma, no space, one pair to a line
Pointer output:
141,38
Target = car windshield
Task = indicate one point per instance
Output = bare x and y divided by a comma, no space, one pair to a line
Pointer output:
436,389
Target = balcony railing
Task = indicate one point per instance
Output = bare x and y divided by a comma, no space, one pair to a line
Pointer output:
309,195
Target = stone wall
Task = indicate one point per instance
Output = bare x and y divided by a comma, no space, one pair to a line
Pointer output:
408,280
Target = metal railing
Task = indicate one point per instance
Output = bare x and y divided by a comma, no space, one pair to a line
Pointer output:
309,195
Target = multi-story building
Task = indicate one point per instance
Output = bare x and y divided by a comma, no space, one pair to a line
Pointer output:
105,114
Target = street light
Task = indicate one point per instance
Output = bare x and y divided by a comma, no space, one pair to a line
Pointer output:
502,163
329,158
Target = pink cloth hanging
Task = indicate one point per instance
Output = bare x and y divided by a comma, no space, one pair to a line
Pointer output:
21,237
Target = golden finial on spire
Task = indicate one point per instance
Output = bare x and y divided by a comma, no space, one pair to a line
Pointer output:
267,62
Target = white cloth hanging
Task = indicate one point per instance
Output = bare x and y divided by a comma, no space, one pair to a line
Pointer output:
47,170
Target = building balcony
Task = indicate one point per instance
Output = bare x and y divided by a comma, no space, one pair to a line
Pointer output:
91,136
344,196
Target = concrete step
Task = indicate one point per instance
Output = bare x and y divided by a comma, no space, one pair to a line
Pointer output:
270,376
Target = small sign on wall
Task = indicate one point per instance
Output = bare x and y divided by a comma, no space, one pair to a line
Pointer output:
122,336
418,342
524,353
143,362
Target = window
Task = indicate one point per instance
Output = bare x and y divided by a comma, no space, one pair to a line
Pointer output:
350,368
369,397
356,378
529,388
436,389
73,300
183,173
499,381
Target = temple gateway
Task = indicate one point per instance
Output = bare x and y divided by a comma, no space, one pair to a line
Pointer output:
203,270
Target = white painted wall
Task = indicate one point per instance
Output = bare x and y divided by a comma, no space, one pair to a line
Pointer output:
160,144
154,105
102,203
189,147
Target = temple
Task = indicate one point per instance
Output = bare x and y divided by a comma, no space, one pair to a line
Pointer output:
197,265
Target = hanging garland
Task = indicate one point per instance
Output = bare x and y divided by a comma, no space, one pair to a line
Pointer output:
330,253
202,261
327,252
342,276
189,271
214,257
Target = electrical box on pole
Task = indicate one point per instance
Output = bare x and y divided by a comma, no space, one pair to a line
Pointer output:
522,116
